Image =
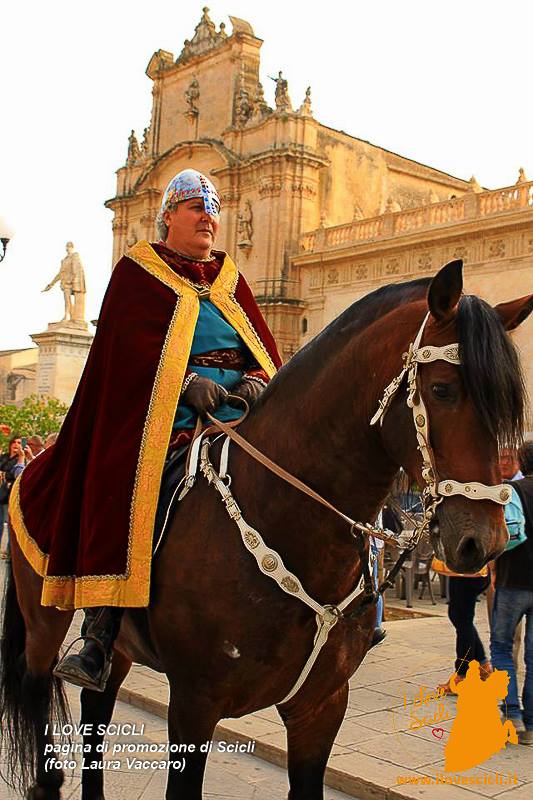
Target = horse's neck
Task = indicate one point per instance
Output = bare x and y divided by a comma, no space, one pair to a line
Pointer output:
315,423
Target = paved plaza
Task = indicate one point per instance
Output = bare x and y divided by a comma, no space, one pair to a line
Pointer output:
376,755
228,776
375,748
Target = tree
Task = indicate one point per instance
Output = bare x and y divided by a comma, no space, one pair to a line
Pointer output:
38,414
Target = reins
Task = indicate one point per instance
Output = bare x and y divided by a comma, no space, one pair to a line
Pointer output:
271,563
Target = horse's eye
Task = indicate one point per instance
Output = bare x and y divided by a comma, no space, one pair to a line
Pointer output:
440,390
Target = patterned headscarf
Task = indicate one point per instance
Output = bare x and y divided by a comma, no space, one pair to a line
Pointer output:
190,183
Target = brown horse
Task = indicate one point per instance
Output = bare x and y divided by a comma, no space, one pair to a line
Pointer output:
229,640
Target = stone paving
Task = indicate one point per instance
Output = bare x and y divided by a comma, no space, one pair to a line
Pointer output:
375,748
228,776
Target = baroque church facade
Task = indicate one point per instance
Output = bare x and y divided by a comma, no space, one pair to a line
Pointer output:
284,178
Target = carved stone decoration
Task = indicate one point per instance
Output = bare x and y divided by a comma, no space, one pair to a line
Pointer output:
205,38
392,206
243,108
305,109
392,267
462,253
132,238
424,261
497,248
160,61
245,230
304,189
261,109
474,185
134,151
242,105
230,196
192,96
283,101
270,188
145,144
522,177
357,212
361,272
333,276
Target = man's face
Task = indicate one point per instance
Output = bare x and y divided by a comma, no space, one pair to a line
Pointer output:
34,445
190,228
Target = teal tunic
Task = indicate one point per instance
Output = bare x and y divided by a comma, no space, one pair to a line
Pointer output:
212,332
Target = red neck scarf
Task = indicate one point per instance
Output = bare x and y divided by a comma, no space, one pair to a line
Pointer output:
201,272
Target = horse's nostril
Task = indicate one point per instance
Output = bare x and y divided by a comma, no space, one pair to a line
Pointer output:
469,551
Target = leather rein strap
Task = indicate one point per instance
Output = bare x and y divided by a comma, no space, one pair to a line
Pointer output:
271,563
433,492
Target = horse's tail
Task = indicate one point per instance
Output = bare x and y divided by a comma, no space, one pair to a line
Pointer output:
22,697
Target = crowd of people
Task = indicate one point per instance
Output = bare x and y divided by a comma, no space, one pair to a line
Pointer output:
20,451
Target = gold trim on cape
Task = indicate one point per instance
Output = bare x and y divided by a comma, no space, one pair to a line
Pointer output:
132,589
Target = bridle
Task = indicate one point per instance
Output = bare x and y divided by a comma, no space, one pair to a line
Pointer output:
434,491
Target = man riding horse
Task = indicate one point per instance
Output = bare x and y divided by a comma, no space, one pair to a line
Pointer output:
179,329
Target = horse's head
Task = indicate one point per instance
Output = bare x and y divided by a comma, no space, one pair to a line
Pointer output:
465,404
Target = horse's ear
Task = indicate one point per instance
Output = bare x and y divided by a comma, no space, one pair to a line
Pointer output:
445,290
515,311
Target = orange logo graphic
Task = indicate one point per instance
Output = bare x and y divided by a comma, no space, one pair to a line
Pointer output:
478,731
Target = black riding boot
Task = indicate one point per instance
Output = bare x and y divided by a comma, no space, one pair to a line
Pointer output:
90,667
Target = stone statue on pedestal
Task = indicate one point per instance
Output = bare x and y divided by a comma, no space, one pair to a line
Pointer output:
72,281
283,101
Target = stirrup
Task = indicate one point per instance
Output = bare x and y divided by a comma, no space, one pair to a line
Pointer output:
75,674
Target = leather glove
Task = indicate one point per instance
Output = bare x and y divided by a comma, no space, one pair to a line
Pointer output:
248,390
203,395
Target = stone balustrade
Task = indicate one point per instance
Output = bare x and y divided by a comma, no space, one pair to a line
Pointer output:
458,209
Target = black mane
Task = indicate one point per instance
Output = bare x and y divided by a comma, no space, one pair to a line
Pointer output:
491,370
490,366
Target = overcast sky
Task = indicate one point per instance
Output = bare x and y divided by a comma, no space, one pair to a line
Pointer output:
448,84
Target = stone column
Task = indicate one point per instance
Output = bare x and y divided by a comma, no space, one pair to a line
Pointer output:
63,351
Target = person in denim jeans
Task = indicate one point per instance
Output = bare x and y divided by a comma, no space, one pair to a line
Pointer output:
514,600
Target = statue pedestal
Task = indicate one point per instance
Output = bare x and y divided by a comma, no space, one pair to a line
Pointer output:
63,351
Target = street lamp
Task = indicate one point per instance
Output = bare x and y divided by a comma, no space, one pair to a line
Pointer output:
5,236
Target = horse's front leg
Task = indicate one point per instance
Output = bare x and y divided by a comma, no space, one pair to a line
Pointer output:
311,731
191,722
97,709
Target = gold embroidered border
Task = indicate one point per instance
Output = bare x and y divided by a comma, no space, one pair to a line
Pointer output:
30,548
145,256
223,297
133,588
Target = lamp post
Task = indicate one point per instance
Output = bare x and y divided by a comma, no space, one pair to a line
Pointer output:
5,236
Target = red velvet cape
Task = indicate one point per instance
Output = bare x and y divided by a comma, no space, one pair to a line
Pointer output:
83,511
